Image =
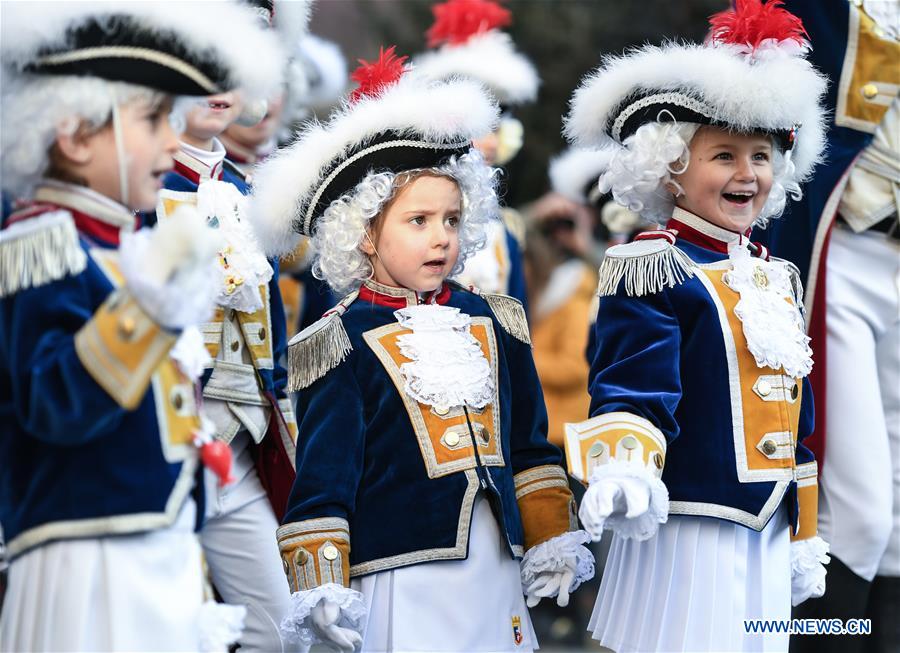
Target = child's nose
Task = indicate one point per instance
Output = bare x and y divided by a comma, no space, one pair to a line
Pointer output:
745,170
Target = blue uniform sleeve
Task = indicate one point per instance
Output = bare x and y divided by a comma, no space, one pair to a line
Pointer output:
279,328
54,397
636,366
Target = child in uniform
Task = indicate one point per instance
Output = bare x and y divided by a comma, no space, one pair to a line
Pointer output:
699,408
424,472
98,349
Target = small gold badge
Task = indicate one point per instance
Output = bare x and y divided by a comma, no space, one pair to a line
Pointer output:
760,278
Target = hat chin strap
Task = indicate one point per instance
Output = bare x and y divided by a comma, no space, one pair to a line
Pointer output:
120,149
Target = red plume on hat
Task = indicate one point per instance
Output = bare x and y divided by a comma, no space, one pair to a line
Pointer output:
456,21
753,22
375,76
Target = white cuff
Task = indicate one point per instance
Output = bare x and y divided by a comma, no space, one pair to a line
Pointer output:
808,560
296,624
562,552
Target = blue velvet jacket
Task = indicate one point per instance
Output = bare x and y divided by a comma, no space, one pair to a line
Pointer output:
263,381
675,387
96,421
384,481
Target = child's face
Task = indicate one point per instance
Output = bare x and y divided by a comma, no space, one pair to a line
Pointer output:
149,144
418,241
263,131
212,116
728,178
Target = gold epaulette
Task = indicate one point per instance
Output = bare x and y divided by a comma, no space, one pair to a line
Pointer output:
515,224
38,251
647,266
511,315
319,348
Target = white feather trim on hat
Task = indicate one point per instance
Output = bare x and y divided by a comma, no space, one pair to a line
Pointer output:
251,54
490,58
770,93
285,183
330,77
572,171
291,21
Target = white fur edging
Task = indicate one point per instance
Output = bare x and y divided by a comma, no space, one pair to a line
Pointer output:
566,551
296,626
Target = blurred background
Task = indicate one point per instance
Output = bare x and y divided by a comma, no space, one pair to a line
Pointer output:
564,39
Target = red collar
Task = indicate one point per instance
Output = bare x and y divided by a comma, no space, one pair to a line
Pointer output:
193,175
96,217
698,231
393,297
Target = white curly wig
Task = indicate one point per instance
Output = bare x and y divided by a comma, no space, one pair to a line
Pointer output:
640,170
339,233
37,107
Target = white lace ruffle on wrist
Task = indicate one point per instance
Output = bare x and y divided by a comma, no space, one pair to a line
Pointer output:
448,367
562,552
220,626
641,527
808,560
243,266
773,327
190,353
296,626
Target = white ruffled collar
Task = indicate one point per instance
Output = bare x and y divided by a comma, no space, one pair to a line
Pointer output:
447,367
773,326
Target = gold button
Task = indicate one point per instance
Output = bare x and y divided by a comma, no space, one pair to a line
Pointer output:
658,460
442,411
629,442
126,327
301,556
760,279
262,333
596,450
330,552
769,447
795,392
452,439
764,388
869,91
235,345
177,401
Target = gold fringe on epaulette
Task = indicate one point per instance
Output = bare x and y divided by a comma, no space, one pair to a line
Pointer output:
509,312
38,251
320,347
644,274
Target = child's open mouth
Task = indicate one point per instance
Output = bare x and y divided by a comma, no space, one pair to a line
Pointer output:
435,265
741,198
219,106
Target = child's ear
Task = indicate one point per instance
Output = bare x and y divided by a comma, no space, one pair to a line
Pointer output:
367,246
74,145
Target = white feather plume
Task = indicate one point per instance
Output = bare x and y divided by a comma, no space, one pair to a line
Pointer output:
770,93
232,31
574,169
285,183
490,58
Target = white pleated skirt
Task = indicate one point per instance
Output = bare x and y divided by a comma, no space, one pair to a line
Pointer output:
472,605
691,587
138,592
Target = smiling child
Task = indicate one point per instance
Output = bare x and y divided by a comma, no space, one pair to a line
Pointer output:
699,404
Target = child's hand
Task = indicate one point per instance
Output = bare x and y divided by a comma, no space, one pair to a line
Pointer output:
324,618
550,583
624,498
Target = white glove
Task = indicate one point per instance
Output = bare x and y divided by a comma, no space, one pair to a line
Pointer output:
624,498
557,567
329,614
170,269
808,560
324,618
550,583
